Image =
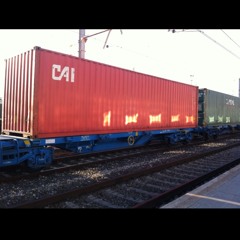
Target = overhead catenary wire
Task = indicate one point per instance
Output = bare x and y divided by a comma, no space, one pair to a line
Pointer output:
218,43
183,30
174,31
123,48
230,38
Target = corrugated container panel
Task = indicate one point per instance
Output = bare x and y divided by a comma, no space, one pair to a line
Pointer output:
216,108
49,94
18,92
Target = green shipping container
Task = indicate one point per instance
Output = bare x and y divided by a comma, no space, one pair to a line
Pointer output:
217,109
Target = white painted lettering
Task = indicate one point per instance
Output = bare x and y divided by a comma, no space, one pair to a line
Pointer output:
58,73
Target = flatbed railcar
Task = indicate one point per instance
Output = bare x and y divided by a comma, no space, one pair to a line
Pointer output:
57,100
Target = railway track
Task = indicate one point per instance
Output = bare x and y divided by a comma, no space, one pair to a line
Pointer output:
145,187
65,161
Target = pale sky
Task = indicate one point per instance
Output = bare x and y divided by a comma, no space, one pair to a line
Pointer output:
205,58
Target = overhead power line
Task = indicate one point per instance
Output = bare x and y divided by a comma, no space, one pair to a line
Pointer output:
230,38
218,43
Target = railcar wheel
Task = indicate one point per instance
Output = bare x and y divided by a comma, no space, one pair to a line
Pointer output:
131,140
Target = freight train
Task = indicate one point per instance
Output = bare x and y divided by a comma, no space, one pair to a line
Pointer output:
57,100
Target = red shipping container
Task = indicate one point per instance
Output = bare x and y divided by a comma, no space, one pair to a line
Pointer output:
48,94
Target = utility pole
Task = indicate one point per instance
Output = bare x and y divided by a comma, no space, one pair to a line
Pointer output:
81,42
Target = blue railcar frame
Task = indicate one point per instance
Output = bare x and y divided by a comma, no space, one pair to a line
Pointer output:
38,153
